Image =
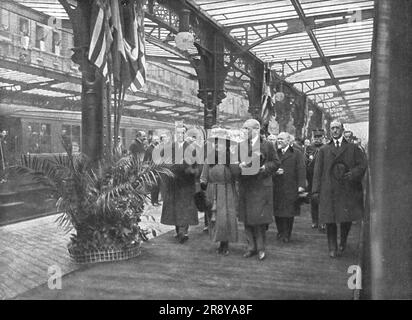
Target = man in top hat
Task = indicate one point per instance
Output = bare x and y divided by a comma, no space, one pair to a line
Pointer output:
256,188
310,157
337,183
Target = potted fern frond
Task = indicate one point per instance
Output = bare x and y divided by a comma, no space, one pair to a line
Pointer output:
101,203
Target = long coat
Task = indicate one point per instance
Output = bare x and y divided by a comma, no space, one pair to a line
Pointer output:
285,186
340,200
136,148
221,190
310,157
179,208
256,191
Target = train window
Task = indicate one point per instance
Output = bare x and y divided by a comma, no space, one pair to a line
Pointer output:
56,43
45,138
71,136
39,137
66,135
24,26
76,138
40,37
4,20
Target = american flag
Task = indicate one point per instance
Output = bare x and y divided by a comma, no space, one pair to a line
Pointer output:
118,29
266,99
101,38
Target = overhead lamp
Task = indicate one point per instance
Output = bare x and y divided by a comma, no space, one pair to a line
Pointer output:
184,39
280,96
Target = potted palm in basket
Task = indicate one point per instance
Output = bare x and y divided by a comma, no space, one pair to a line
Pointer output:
102,203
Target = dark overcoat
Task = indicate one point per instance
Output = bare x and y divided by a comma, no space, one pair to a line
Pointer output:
340,199
310,157
179,208
137,148
256,191
285,186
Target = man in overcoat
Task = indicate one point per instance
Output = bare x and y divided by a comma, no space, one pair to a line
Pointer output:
256,189
179,208
288,181
137,147
337,183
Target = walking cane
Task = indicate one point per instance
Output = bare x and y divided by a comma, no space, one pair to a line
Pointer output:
3,164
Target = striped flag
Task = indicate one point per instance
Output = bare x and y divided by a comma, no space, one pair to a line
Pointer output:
128,52
101,38
266,99
134,72
118,28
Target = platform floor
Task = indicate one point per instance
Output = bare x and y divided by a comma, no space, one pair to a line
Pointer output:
300,269
29,248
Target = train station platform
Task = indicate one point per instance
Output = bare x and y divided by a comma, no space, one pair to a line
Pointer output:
300,269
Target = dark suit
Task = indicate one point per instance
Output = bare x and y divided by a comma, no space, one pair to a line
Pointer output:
285,187
256,198
137,148
340,200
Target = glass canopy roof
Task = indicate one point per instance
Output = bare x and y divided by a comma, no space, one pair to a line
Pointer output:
322,47
316,45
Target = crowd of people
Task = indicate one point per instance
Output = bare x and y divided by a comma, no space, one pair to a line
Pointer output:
223,183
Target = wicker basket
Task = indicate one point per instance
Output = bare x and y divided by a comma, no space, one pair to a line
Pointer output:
105,255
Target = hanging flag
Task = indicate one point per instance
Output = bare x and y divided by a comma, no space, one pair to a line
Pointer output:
307,134
266,99
118,33
129,66
101,37
140,78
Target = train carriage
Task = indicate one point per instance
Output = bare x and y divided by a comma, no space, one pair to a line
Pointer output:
39,131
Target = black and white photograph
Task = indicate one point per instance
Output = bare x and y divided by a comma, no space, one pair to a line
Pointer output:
206,155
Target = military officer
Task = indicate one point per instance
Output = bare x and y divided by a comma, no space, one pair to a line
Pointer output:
310,157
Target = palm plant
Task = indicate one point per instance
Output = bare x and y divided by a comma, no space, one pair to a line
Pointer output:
102,202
